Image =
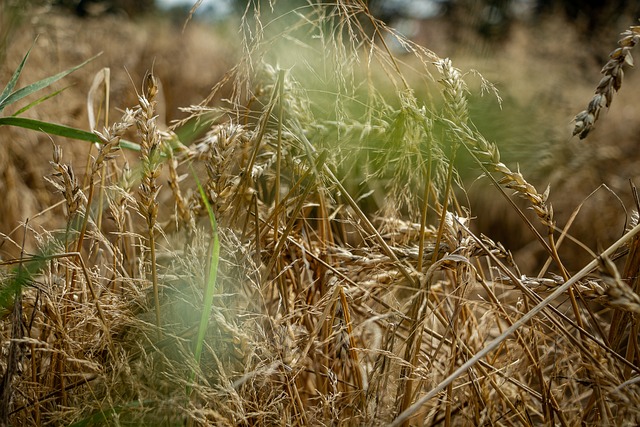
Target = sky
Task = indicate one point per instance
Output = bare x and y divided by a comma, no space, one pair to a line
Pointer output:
217,6
419,9
414,8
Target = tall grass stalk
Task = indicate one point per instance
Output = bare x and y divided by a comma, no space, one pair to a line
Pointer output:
149,188
210,284
341,280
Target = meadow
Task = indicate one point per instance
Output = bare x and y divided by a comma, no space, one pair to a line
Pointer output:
302,217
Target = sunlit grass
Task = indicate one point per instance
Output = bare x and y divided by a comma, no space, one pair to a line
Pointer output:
312,255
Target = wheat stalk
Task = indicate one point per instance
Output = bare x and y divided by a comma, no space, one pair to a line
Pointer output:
349,286
148,191
610,83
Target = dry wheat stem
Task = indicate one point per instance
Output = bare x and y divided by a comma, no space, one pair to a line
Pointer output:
480,149
408,414
534,297
297,349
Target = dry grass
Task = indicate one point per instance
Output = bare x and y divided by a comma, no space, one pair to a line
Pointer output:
350,287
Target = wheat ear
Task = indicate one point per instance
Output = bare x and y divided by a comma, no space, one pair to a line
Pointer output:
149,188
610,83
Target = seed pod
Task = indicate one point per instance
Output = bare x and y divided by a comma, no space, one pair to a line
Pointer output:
151,86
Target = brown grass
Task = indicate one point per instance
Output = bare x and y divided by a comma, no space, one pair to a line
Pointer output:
352,287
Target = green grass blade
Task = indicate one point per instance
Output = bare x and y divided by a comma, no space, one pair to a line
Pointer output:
60,130
14,78
49,128
22,277
110,416
38,101
207,305
34,87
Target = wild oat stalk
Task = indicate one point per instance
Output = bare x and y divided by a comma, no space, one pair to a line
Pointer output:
610,83
149,188
487,153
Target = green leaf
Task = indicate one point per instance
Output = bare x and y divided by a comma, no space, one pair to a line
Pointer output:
102,417
14,78
38,101
60,130
207,305
34,87
22,276
49,128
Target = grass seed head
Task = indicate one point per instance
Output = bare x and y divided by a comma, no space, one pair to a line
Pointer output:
610,83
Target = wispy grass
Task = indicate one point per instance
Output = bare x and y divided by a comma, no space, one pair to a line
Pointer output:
313,258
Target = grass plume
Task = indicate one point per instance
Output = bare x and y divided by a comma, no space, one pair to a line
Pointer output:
310,257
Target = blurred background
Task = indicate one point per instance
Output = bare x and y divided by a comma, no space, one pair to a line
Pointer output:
544,57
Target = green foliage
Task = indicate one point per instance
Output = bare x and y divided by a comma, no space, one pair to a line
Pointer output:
207,305
10,96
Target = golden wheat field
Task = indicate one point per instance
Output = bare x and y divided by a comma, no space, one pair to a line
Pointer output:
301,217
